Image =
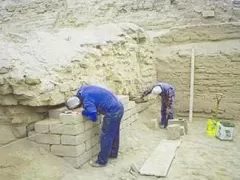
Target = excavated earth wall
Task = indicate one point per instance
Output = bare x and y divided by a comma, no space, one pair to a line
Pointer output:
217,64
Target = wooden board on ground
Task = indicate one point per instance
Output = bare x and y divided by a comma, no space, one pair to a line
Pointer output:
160,160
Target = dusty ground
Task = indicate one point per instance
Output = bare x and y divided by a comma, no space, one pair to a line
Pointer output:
198,158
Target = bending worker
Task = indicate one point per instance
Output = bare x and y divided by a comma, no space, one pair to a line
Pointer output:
167,93
96,100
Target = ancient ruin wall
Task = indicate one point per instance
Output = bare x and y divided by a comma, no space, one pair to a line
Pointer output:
217,66
45,68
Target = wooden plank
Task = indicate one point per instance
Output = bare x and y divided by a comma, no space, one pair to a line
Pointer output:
161,159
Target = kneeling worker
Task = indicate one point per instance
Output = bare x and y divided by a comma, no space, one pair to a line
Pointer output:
167,93
96,100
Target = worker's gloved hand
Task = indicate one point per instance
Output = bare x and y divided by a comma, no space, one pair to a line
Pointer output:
90,115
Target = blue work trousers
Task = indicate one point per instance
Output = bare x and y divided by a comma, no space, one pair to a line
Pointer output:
109,138
164,116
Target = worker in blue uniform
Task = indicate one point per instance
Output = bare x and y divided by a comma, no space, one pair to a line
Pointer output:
167,93
96,100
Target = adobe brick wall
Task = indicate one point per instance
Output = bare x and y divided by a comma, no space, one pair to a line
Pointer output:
74,138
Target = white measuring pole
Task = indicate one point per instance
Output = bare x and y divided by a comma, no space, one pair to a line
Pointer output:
191,86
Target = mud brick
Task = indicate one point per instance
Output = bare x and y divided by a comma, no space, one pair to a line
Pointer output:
94,141
55,113
68,129
95,150
181,122
68,151
96,131
88,125
208,14
88,144
181,130
76,140
173,132
44,126
71,118
48,138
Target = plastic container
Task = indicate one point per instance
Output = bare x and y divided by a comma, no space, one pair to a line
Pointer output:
212,126
225,131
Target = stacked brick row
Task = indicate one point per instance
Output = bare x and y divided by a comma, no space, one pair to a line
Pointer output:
74,138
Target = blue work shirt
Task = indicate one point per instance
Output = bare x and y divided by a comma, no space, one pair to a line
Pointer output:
96,100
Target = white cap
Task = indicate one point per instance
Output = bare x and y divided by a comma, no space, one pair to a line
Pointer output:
157,90
73,102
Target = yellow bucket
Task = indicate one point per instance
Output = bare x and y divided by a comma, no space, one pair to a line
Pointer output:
212,127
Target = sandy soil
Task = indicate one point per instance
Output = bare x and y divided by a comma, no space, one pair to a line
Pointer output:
198,158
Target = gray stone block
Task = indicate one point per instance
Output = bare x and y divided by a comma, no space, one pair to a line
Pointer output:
95,150
67,129
95,140
76,140
208,14
55,113
44,126
71,118
181,122
181,130
88,144
173,132
96,131
47,138
87,125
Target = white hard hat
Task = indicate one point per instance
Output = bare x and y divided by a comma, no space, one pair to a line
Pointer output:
73,102
157,90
